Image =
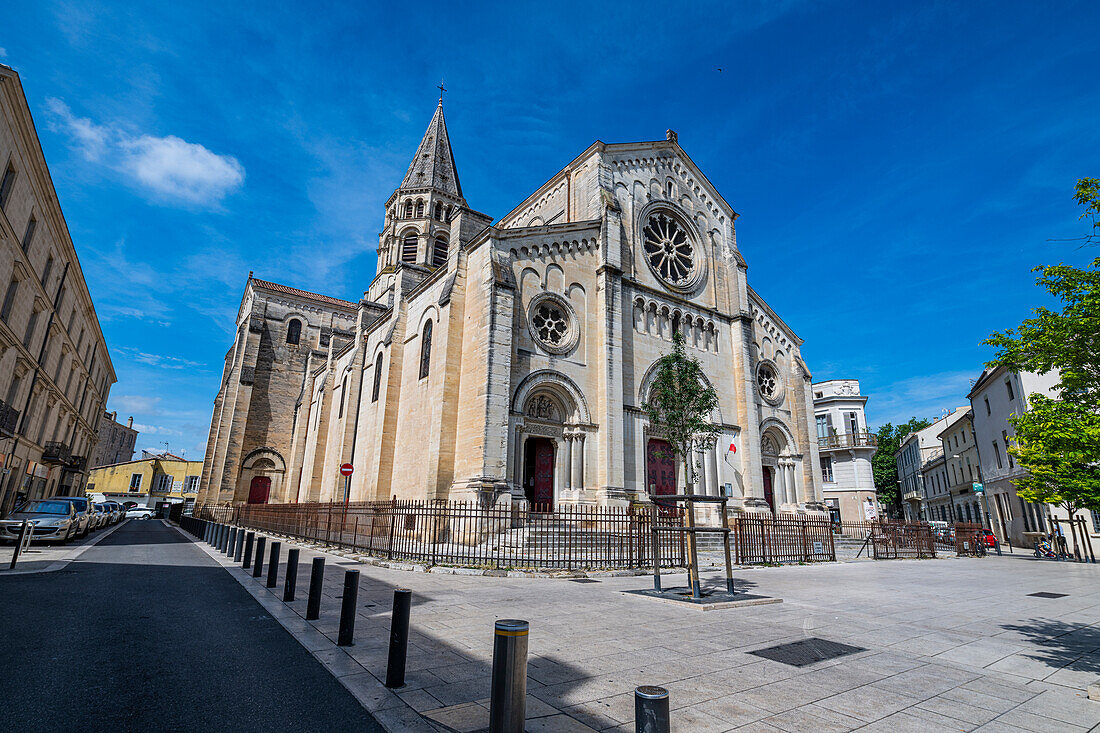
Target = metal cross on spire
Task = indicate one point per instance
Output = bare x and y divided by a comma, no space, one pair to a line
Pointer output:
441,89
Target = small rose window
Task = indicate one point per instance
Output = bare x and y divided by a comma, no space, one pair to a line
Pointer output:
767,380
551,325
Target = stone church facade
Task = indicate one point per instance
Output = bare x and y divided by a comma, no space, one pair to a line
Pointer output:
510,362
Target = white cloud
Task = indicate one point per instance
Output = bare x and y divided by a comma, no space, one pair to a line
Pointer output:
168,168
3,52
922,396
136,403
155,430
162,361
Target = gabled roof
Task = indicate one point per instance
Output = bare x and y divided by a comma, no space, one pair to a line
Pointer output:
267,285
434,163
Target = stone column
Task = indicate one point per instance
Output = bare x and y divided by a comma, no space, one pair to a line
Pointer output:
706,471
569,438
578,462
714,487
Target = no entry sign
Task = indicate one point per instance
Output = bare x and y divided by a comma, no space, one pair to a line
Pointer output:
346,469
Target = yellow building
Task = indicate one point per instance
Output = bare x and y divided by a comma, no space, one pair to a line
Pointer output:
153,478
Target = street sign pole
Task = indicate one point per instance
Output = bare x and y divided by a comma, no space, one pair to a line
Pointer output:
346,470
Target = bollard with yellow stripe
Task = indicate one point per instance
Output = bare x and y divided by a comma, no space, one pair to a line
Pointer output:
508,697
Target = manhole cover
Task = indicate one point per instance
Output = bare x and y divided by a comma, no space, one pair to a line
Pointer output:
1045,594
583,580
807,651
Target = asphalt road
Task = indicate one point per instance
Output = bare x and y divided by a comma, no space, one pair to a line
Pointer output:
145,632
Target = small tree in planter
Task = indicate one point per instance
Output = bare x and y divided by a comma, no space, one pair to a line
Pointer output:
680,402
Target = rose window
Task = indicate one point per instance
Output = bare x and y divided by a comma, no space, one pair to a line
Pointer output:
768,381
551,324
669,250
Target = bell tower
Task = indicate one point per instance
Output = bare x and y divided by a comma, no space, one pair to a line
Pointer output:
419,213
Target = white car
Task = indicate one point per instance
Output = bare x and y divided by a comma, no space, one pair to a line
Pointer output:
139,512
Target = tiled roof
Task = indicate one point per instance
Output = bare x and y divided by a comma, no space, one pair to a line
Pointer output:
303,293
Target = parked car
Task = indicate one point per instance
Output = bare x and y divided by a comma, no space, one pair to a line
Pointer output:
139,512
104,513
990,538
85,512
117,514
51,519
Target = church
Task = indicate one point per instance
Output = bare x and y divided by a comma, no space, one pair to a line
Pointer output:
509,361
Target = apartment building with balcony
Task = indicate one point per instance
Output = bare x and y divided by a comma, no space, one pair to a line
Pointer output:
846,447
915,452
55,372
961,470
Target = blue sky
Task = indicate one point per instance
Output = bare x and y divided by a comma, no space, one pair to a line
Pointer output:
898,167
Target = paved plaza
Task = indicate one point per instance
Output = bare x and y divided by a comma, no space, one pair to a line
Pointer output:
950,645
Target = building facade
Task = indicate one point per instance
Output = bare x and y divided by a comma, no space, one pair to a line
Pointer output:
846,447
148,480
916,450
961,470
55,372
509,362
116,441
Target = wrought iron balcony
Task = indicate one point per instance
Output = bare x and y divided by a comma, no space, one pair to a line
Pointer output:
56,453
864,439
9,418
912,495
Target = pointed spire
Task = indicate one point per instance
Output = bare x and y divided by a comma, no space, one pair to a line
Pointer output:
434,164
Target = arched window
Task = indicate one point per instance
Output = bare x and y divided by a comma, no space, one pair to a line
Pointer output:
438,211
439,252
419,208
294,331
426,350
377,379
408,248
409,209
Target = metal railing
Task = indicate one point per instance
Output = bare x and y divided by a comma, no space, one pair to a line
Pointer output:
454,533
9,418
863,439
766,538
56,452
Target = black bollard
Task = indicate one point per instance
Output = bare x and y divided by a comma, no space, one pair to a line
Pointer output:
346,636
205,530
273,565
223,537
651,710
291,574
248,549
399,638
316,585
232,546
240,546
508,690
258,570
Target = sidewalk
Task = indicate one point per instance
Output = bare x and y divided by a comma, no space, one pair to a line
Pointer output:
41,557
952,645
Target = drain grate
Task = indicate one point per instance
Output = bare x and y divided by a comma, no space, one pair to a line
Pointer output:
583,580
807,651
1045,594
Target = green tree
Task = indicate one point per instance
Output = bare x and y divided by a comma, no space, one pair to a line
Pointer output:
680,403
885,465
1058,440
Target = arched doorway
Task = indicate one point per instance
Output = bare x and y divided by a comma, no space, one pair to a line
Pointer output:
538,472
259,489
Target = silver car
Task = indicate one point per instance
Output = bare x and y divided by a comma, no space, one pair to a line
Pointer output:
51,519
85,512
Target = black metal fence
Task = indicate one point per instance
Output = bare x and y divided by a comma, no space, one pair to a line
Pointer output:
765,538
454,533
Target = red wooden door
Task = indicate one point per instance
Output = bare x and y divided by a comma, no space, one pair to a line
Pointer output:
769,495
259,489
540,478
660,467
